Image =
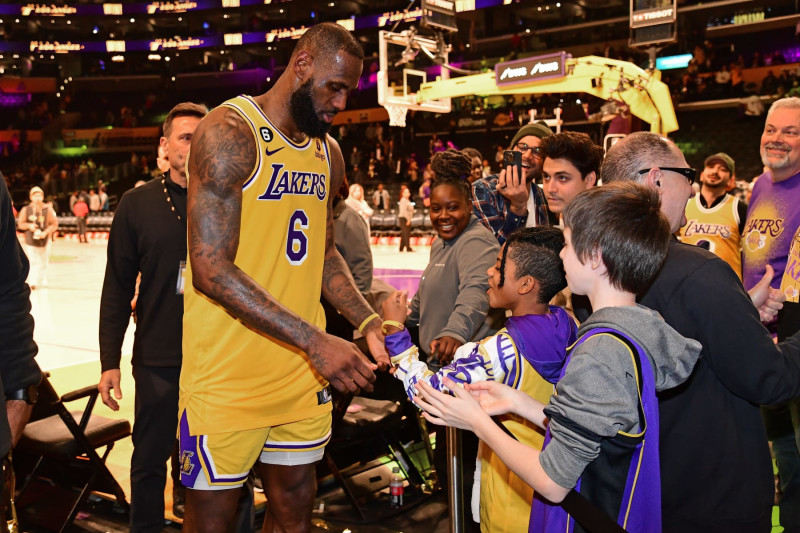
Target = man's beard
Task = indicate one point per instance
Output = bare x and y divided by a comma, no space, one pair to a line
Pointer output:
721,185
781,163
301,106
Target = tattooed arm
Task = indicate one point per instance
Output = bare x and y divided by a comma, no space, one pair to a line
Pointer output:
338,286
222,157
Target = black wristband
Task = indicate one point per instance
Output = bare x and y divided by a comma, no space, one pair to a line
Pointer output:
28,395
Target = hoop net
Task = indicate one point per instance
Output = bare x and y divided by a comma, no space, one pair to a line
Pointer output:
397,114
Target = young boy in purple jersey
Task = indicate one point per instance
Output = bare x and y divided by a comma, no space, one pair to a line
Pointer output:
526,355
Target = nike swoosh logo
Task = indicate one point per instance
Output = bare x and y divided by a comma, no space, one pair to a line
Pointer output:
266,151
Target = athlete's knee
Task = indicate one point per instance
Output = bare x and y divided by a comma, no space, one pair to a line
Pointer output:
290,492
210,511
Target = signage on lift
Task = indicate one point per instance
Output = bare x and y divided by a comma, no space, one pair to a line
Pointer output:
530,69
650,17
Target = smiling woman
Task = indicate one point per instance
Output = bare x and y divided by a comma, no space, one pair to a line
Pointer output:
451,305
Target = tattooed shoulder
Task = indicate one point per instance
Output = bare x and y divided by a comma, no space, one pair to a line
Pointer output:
223,149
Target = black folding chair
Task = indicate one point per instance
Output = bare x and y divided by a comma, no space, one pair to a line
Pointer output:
67,467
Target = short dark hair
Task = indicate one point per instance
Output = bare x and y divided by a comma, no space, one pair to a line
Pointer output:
472,152
621,221
577,148
451,167
184,109
535,252
328,39
635,152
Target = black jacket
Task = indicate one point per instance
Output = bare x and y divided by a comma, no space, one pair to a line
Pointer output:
147,237
715,462
18,369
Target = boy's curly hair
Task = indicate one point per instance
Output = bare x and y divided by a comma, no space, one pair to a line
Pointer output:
535,252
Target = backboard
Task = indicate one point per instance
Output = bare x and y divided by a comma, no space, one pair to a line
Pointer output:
405,64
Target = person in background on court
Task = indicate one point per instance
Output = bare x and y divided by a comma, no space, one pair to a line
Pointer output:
39,222
148,236
380,198
405,213
94,201
356,201
81,211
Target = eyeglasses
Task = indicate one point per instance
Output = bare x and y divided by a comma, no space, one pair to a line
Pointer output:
688,173
522,147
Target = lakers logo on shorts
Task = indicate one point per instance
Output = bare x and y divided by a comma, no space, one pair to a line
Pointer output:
186,462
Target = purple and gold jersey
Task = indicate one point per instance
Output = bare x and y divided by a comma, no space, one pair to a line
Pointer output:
527,355
234,378
773,218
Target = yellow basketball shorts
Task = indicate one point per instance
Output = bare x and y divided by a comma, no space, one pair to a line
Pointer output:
225,459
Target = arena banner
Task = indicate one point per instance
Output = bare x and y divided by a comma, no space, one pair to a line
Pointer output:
530,69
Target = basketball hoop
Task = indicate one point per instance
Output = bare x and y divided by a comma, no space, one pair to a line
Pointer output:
397,114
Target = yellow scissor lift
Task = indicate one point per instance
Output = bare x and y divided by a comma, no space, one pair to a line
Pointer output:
610,79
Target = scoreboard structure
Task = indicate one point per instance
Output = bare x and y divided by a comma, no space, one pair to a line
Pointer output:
653,22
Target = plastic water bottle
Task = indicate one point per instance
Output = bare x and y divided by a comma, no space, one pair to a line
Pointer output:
396,488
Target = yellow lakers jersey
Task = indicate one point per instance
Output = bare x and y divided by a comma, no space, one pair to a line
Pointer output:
718,226
234,378
505,498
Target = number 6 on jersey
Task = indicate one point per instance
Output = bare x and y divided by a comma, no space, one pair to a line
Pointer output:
296,240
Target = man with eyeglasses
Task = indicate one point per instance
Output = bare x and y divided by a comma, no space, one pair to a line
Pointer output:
507,202
716,471
771,240
715,219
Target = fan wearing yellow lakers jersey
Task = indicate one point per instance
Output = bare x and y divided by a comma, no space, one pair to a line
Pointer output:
257,362
714,218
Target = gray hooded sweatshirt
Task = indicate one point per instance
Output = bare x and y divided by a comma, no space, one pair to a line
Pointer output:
598,391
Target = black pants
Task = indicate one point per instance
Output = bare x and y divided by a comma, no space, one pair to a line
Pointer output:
154,432
82,228
405,234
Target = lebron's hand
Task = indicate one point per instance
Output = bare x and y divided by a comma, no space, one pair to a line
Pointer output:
341,363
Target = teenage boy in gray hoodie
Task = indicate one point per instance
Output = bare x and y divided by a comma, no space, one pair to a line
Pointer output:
602,437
